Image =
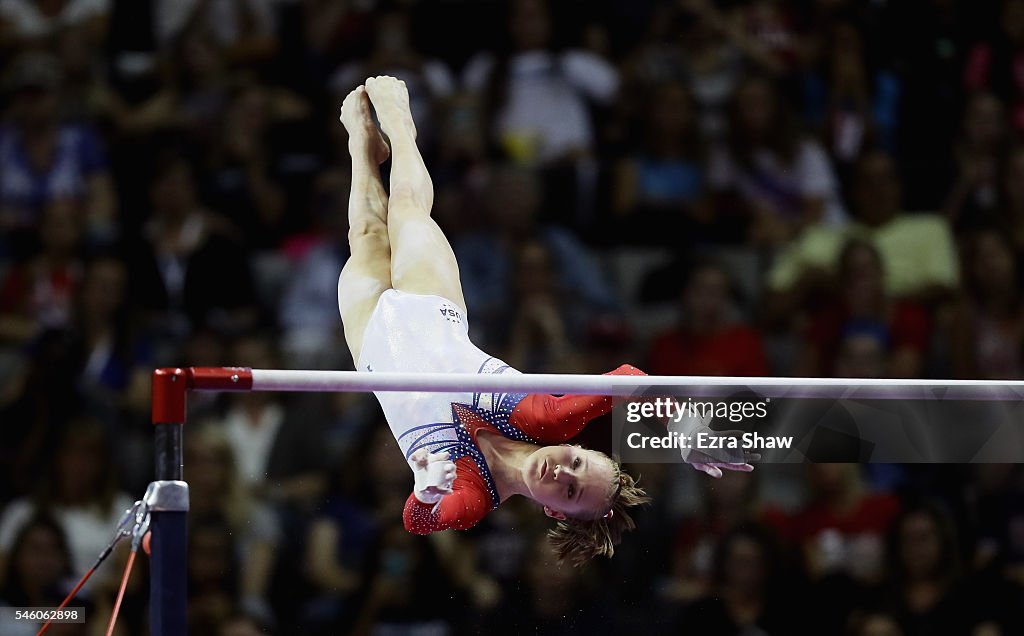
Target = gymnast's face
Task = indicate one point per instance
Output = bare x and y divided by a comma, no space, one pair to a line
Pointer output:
569,481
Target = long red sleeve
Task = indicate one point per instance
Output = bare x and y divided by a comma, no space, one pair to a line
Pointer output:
469,502
552,420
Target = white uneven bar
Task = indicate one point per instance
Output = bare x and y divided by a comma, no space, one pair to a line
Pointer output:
622,385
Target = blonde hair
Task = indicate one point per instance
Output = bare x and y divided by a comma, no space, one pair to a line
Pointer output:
580,540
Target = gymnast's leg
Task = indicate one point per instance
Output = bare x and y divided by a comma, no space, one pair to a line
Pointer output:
422,261
367,273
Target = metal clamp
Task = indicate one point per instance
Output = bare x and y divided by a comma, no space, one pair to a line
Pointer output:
167,496
133,525
141,525
124,526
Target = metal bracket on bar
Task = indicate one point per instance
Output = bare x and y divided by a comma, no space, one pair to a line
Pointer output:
167,496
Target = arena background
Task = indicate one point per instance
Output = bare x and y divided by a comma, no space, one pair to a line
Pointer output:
745,187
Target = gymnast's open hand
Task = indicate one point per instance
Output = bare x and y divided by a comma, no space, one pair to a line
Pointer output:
713,457
434,475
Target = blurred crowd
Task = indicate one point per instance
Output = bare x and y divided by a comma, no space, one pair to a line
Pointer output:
712,187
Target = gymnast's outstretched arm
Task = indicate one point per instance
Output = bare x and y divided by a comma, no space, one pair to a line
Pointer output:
553,419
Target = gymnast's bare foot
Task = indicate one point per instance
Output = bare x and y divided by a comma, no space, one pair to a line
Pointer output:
391,101
363,136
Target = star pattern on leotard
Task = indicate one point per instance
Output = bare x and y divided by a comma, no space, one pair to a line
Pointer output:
465,418
500,417
496,408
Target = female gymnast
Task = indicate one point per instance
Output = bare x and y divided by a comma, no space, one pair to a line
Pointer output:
402,308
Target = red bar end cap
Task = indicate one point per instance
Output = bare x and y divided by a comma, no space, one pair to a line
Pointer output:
169,388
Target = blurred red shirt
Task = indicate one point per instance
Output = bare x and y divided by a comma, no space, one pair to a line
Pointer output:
734,350
907,324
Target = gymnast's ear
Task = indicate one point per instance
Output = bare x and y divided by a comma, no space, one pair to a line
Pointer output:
554,514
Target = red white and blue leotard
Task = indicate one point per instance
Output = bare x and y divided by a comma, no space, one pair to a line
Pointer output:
429,334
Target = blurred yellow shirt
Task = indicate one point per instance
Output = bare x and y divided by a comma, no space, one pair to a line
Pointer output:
918,252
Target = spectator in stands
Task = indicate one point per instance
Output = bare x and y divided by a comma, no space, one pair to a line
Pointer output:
929,594
555,596
994,504
37,571
712,338
336,31
84,80
929,48
855,106
840,534
429,80
308,308
279,456
191,99
862,304
115,361
39,293
659,56
488,256
190,268
39,575
521,83
45,159
244,182
663,183
695,43
213,592
1010,220
81,493
607,339
541,334
408,589
991,63
774,27
245,29
989,510
781,179
215,492
988,329
732,501
339,543
762,30
980,155
917,250
24,23
102,361
26,450
843,525
864,351
747,593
